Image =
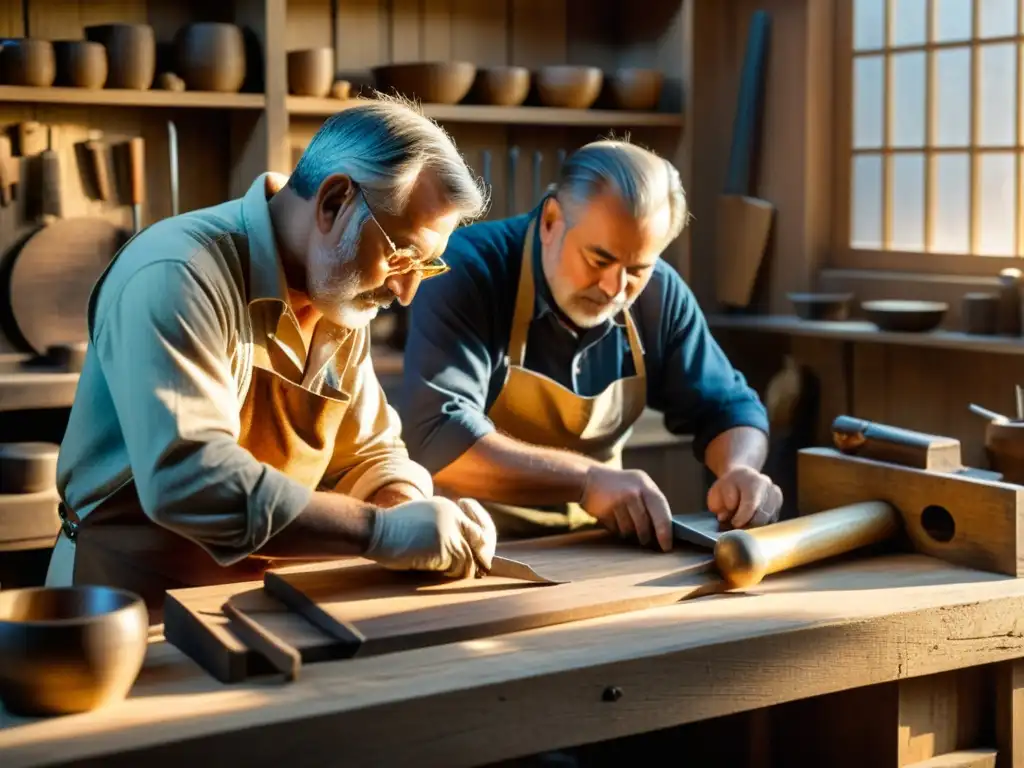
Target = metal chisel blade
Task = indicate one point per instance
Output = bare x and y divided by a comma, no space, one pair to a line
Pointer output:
505,568
700,528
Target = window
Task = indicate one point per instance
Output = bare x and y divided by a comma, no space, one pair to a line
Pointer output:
930,134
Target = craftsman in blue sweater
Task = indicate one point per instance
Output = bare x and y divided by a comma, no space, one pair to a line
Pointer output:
527,365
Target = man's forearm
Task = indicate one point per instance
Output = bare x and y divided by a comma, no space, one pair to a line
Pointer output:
393,494
331,525
501,469
737,447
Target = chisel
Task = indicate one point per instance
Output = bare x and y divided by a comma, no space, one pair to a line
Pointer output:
136,179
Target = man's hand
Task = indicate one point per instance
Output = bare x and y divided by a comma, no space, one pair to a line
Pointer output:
626,501
743,497
435,534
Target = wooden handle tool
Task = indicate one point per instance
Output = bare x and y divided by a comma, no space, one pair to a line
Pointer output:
896,445
50,204
10,171
745,556
97,152
283,656
137,179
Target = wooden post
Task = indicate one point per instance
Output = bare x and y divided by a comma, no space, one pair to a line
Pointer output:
1010,713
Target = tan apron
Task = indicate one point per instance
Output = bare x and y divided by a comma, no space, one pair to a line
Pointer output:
283,424
535,409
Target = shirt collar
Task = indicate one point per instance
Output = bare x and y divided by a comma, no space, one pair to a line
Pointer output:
266,273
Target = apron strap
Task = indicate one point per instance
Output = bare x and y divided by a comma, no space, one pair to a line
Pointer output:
635,346
524,304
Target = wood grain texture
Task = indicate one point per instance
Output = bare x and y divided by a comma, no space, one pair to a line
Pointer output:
859,623
986,515
365,610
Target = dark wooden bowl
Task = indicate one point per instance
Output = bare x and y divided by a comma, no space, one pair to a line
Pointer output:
80,64
905,316
131,54
567,86
430,82
821,306
634,88
28,467
28,62
501,86
69,649
210,56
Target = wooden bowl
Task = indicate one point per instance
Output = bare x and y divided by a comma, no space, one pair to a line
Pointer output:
501,86
131,54
28,62
311,72
568,86
80,64
1004,446
69,650
28,467
905,316
634,88
821,306
210,56
431,82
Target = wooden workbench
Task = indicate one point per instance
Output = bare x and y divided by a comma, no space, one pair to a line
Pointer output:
895,623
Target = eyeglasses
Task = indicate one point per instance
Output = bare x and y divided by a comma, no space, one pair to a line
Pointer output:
407,256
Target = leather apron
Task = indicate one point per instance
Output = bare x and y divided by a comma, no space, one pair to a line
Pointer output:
283,424
535,409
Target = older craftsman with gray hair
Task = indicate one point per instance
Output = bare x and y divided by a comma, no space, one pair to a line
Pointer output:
527,365
228,413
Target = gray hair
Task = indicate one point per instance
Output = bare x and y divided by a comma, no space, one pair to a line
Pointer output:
384,145
643,180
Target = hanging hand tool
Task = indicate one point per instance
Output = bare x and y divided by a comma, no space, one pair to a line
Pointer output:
744,221
510,198
538,164
96,150
50,204
10,171
172,144
136,180
485,163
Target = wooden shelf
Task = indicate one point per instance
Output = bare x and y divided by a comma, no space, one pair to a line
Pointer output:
854,330
305,106
116,97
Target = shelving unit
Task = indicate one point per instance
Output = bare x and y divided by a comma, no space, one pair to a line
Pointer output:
304,106
227,139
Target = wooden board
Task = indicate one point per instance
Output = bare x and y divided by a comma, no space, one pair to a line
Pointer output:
961,519
372,610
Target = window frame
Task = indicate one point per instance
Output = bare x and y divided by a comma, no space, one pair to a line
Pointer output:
843,255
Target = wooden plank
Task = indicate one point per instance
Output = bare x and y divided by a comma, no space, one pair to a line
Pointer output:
966,758
1010,713
392,610
984,515
804,634
940,714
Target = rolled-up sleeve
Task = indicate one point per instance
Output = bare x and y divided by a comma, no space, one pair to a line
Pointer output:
698,389
369,452
447,371
163,345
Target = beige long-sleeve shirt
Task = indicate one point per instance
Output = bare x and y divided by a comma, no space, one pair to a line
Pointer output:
172,329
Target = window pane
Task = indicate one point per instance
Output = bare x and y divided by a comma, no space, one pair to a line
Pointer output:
953,97
998,18
951,182
953,19
996,203
906,198
909,22
868,24
866,213
906,103
868,90
997,66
